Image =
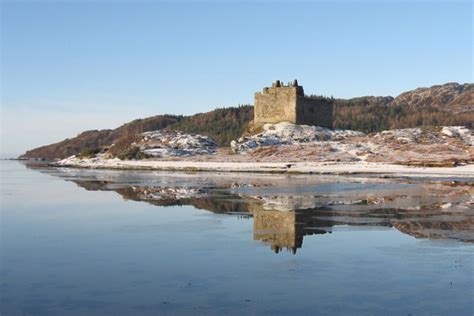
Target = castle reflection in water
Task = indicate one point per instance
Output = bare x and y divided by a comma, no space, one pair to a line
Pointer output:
283,229
286,209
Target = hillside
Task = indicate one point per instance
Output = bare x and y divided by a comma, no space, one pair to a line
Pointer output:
223,125
94,140
451,104
452,97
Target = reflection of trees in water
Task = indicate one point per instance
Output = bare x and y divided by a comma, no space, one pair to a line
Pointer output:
410,211
216,201
286,229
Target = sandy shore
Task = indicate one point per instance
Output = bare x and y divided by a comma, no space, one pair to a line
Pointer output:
466,171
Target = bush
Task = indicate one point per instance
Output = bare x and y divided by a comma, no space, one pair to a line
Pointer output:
133,153
89,153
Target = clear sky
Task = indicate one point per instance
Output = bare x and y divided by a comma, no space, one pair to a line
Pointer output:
72,65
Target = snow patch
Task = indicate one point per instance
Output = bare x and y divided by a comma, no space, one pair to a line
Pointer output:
286,133
459,132
174,143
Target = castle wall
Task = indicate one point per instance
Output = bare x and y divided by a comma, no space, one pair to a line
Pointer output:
281,103
275,104
313,112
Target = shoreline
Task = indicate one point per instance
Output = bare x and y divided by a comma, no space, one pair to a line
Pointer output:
465,171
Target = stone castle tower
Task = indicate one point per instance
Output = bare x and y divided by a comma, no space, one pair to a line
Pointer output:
288,103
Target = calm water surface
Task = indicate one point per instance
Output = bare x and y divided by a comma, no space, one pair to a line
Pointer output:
85,242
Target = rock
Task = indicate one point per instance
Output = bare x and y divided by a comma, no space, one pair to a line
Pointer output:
234,146
459,132
174,143
285,133
428,147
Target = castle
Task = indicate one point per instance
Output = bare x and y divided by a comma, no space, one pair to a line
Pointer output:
288,103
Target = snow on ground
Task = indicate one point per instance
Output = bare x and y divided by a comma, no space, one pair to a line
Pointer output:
285,147
174,143
442,146
428,136
466,171
459,131
286,133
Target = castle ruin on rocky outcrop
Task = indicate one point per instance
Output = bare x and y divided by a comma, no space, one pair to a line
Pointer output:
281,102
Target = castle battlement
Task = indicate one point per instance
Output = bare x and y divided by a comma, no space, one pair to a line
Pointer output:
281,102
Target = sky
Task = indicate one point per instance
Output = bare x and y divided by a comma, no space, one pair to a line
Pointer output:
69,66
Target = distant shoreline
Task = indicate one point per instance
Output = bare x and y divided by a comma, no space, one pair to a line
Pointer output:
466,171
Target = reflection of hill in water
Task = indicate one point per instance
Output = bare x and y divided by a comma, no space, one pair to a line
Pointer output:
286,229
286,210
217,202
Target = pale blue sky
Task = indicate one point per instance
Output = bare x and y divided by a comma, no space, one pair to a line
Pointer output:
72,65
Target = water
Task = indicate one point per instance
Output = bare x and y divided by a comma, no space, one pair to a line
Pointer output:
85,242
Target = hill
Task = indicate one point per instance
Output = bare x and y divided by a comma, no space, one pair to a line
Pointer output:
449,104
222,125
94,140
452,97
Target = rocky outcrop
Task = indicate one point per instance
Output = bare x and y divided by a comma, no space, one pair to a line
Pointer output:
285,133
173,143
441,146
